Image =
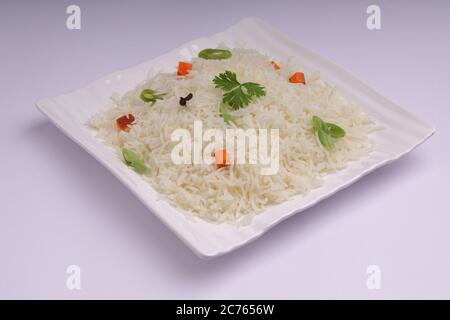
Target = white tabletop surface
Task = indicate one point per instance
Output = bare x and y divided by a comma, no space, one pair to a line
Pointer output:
59,207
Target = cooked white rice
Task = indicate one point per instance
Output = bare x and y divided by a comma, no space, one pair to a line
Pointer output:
237,191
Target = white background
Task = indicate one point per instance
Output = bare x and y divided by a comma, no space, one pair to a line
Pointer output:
60,207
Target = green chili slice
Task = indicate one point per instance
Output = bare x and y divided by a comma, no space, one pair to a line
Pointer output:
214,54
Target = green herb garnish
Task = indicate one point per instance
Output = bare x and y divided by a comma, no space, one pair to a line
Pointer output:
317,123
225,115
326,140
150,96
334,130
214,54
133,160
327,132
237,95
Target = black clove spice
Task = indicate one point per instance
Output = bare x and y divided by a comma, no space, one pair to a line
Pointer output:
185,99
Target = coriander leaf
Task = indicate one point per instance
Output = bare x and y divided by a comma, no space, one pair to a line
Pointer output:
254,89
236,98
226,81
225,115
133,160
237,95
150,96
334,130
326,140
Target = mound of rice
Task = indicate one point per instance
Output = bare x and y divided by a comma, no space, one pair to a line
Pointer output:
238,191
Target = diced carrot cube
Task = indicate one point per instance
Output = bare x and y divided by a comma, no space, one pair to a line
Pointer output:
298,77
221,158
123,122
183,68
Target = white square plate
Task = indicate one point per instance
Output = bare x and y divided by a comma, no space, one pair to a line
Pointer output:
402,132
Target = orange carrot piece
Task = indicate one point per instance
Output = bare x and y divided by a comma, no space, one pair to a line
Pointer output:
123,122
183,68
298,77
276,66
221,158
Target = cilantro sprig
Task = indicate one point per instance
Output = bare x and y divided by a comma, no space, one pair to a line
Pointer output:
237,95
227,118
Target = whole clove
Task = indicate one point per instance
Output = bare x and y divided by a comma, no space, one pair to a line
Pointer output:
185,99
